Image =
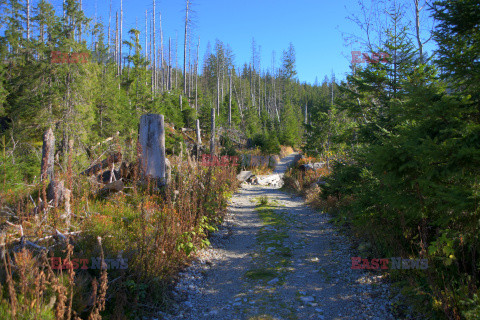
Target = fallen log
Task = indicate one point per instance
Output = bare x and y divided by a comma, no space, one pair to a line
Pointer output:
114,158
115,186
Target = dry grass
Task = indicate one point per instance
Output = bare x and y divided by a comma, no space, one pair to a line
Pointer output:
155,230
285,151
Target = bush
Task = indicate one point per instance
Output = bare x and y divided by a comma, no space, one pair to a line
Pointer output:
268,144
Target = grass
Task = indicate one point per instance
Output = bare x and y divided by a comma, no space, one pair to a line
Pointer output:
261,274
154,230
274,263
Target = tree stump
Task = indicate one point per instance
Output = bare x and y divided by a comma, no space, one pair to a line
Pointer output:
48,152
152,142
199,139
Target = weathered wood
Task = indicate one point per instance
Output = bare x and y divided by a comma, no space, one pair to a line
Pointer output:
48,152
168,173
199,136
212,139
115,186
114,158
230,101
152,142
199,139
109,176
56,192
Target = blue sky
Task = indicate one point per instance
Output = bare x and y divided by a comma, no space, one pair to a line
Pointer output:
314,28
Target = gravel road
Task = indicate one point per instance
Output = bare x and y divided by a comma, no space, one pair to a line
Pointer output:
284,261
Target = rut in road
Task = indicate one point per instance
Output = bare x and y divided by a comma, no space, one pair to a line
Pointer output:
282,260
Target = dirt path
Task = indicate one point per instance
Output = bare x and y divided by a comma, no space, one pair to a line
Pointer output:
279,261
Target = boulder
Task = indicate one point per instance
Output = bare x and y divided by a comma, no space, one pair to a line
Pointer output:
244,176
312,166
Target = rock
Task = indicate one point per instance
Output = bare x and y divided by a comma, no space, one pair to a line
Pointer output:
253,180
273,161
307,299
244,176
312,166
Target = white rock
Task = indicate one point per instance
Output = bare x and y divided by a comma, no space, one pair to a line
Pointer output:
307,299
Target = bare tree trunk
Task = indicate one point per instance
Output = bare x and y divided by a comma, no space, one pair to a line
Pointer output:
222,70
196,75
48,152
417,29
181,103
230,101
152,141
154,61
169,63
121,35
199,139
117,58
28,19
146,37
218,94
212,138
185,49
306,110
80,25
109,22
161,55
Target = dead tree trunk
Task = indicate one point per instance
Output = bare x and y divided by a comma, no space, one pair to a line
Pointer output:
169,64
199,139
196,76
28,19
212,139
152,141
306,113
121,36
185,48
230,101
48,152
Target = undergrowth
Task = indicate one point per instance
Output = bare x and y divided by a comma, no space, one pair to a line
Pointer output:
115,254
